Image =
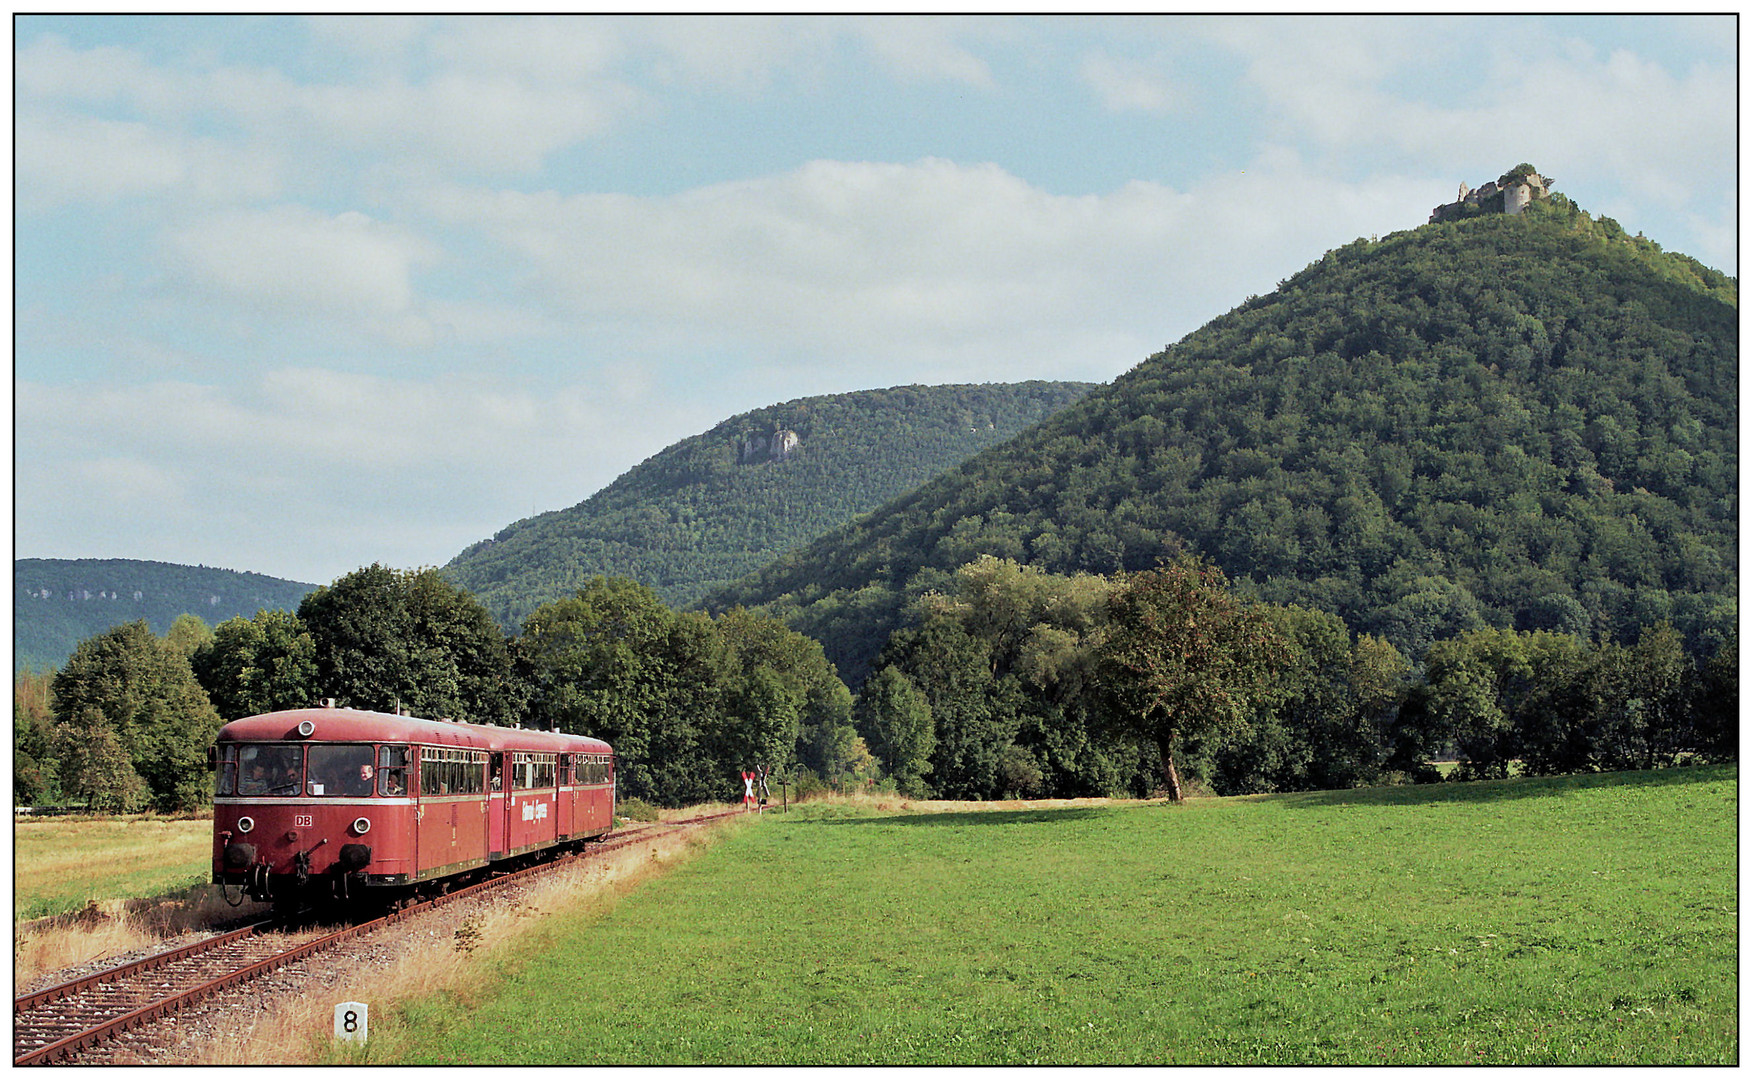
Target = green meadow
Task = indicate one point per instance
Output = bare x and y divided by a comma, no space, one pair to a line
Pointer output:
1578,920
60,864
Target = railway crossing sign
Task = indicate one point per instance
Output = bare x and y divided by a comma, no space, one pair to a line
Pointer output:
350,1021
747,789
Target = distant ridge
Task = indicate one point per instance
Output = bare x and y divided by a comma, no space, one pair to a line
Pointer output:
721,504
58,603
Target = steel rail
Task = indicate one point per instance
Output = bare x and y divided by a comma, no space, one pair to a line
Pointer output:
31,1001
176,1002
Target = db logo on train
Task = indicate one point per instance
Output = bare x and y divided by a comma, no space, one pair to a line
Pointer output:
535,811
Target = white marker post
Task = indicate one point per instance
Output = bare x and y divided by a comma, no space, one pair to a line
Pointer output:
350,1021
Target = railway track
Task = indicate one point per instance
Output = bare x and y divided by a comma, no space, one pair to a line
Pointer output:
59,1021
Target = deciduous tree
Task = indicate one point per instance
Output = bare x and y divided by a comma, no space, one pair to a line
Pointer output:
259,664
139,689
1183,655
386,638
896,721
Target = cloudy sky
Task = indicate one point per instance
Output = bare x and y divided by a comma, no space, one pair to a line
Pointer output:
296,295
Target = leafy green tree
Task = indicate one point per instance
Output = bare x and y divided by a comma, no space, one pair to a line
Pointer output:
140,689
1716,732
761,720
1323,721
976,715
260,664
828,742
1183,657
896,721
34,769
95,767
1644,695
189,633
386,639
1559,723
1498,695
614,662
783,698
1034,632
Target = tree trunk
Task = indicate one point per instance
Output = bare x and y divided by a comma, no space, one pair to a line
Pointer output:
1166,745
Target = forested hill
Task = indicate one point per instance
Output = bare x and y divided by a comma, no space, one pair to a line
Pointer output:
1522,421
714,507
57,603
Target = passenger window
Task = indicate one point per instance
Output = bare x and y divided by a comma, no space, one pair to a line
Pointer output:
392,770
431,773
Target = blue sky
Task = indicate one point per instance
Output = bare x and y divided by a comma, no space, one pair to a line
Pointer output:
296,295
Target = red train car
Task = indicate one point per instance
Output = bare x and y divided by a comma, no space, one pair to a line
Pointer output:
345,803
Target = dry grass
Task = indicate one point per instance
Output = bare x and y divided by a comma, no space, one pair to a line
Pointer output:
684,812
296,1029
112,927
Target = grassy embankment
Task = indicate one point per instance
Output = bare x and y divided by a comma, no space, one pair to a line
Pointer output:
1560,921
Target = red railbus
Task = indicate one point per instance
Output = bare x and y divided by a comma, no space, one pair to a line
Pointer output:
346,803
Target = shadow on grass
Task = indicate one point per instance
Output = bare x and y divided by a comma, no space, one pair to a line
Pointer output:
974,817
1486,791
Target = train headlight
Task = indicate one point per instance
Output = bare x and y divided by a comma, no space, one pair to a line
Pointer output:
361,826
306,728
245,824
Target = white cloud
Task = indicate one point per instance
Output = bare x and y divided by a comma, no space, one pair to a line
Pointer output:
292,261
740,52
1339,86
49,69
66,158
928,270
125,485
541,51
924,47
496,95
1126,85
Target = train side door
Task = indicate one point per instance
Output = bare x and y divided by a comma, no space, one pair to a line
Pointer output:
497,814
564,825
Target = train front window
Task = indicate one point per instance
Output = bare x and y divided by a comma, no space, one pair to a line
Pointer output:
225,779
269,769
340,770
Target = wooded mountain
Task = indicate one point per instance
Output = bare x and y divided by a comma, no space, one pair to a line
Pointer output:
1523,421
57,603
719,505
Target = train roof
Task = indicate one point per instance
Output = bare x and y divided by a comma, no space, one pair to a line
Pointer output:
359,725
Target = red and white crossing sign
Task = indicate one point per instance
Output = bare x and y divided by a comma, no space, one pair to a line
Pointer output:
747,789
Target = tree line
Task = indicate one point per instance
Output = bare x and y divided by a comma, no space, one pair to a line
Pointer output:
1010,682
688,701
1021,682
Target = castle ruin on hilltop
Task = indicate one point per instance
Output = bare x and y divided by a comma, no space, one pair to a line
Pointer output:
1508,194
